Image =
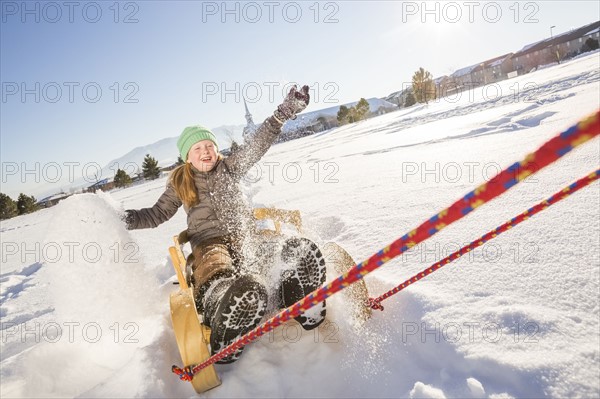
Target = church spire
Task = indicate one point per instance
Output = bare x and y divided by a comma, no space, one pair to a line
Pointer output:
248,114
250,126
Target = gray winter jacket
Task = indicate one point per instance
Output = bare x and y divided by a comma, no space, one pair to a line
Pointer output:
221,209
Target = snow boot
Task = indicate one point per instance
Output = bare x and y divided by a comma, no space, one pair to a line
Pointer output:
305,273
233,306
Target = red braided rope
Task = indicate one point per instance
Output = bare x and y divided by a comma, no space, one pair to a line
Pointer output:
543,156
184,374
375,303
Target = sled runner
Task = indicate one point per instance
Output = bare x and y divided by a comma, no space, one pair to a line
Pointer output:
193,337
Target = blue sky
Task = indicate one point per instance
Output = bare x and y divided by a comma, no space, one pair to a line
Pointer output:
150,68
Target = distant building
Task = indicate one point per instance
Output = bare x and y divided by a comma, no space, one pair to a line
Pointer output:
170,167
322,122
399,97
104,185
555,49
493,70
461,80
52,200
319,123
442,85
547,51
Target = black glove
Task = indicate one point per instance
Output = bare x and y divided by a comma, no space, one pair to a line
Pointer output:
129,217
294,103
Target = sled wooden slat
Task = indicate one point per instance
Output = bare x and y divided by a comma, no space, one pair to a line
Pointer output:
181,259
191,339
177,266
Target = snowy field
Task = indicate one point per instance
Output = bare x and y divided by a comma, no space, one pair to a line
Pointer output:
84,303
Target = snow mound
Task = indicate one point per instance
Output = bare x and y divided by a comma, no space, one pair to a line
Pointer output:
476,388
421,390
99,268
100,296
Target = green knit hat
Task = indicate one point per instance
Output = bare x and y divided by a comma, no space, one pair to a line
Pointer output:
190,136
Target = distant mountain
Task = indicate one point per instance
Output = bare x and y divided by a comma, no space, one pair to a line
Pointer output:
164,151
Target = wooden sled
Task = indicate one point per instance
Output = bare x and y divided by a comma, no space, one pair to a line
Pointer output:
193,337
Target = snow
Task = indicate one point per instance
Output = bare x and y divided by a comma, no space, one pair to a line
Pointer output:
421,390
597,30
476,388
84,302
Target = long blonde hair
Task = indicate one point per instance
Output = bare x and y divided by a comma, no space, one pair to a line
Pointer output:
182,180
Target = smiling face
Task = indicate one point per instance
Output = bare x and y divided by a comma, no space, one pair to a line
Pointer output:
203,155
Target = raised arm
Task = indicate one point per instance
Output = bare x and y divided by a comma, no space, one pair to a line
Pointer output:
248,154
164,209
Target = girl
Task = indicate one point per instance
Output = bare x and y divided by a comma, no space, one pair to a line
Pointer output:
219,222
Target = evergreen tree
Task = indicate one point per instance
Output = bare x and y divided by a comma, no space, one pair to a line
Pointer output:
362,109
410,99
26,204
590,45
423,86
8,207
323,122
122,179
150,168
342,115
352,116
